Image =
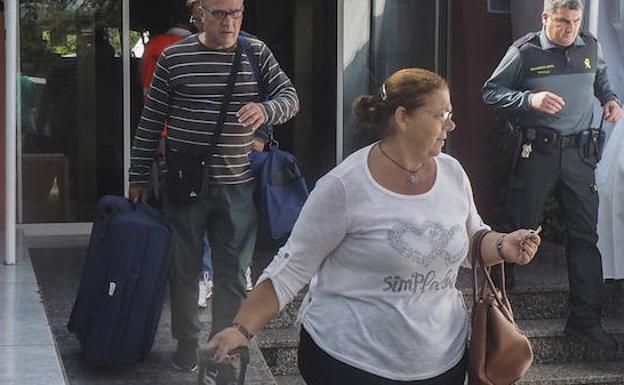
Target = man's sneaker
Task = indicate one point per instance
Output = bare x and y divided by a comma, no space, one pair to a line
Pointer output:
185,358
248,278
594,336
205,290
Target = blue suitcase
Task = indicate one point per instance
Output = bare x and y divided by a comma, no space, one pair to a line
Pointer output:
117,309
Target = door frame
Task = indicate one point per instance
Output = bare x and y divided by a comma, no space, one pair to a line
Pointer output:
13,152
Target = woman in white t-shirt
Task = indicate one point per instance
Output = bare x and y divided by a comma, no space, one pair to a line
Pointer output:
380,240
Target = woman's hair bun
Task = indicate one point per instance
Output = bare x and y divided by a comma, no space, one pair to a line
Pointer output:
366,109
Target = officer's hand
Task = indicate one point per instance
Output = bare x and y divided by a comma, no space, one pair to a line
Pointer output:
251,116
612,111
138,193
547,102
520,246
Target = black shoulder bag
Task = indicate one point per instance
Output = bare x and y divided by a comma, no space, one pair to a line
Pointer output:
185,170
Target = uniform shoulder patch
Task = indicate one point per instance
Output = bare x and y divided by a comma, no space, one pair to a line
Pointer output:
587,34
524,39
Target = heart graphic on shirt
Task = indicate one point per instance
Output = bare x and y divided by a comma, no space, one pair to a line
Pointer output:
431,237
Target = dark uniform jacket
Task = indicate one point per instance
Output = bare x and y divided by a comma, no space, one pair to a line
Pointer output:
532,64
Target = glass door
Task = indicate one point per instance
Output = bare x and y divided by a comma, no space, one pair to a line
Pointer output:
378,38
70,108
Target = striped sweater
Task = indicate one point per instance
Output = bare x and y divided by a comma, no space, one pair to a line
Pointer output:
187,91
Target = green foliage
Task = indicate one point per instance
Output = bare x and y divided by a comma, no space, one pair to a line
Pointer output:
52,28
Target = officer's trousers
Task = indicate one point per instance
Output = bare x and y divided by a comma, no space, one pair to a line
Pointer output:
228,214
569,174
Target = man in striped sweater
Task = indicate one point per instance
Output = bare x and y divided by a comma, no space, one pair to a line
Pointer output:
187,91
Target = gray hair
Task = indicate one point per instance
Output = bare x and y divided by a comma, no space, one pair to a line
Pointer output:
552,5
204,3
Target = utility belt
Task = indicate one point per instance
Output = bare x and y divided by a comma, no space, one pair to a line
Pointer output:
590,142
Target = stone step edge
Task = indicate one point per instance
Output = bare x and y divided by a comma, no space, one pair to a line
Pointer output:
543,374
574,374
536,328
543,328
260,364
289,380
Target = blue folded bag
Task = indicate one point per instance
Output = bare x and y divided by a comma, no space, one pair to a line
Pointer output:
281,190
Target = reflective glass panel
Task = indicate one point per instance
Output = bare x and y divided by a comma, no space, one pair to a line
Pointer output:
70,113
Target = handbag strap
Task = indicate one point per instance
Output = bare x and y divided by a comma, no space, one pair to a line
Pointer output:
476,258
487,284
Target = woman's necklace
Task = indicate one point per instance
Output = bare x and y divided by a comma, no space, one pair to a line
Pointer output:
413,178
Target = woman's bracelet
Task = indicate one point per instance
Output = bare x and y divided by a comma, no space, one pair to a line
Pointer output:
243,330
499,246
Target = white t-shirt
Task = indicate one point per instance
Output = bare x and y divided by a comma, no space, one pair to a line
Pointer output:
383,268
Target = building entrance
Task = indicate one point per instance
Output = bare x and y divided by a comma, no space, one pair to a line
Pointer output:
73,102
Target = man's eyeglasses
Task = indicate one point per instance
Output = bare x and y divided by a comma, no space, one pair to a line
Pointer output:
443,116
221,15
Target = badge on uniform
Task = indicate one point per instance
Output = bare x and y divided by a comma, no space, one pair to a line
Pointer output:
527,148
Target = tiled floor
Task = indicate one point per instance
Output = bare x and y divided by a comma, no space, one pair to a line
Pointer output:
27,351
35,346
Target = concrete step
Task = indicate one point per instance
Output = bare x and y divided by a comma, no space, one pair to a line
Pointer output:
603,373
596,373
550,345
279,348
541,291
290,380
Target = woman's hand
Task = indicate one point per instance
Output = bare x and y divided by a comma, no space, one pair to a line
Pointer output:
520,246
225,341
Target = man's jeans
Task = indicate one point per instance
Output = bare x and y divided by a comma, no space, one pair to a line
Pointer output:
228,214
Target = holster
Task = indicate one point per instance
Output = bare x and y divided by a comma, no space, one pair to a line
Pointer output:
598,138
543,139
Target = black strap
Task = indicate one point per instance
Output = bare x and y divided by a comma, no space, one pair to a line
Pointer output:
245,44
243,41
602,118
227,96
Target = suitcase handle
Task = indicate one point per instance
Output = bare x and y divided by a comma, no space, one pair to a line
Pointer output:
114,207
243,352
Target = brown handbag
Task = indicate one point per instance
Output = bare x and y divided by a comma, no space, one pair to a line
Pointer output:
499,353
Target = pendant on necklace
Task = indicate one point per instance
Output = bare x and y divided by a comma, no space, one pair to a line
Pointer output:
413,178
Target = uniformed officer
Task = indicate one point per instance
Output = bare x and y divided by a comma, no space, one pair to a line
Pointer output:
548,79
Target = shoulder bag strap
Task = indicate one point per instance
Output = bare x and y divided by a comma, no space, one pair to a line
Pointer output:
227,96
245,44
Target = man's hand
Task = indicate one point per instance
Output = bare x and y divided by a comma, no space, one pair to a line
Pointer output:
258,145
547,102
138,193
612,111
252,116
